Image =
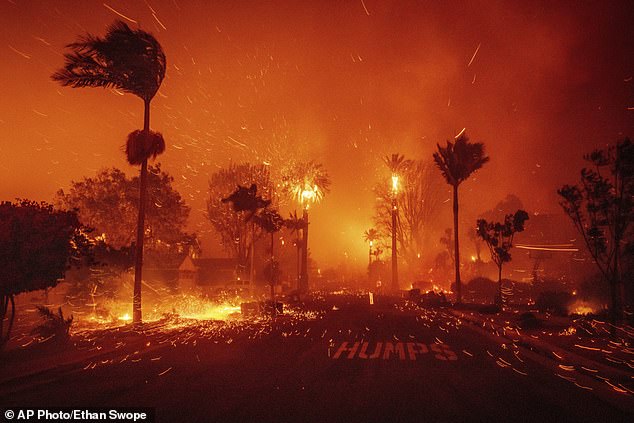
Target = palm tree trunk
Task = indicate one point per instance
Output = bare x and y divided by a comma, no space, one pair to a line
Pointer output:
140,230
394,252
456,244
303,286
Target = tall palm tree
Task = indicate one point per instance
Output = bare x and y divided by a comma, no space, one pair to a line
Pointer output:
271,221
396,163
305,182
132,61
296,224
370,236
457,162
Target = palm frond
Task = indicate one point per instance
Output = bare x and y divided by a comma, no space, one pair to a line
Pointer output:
130,60
141,146
458,160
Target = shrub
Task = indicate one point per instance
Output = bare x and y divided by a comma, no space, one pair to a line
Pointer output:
55,326
554,302
481,287
529,321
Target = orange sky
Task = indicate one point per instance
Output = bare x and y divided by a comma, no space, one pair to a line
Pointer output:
332,81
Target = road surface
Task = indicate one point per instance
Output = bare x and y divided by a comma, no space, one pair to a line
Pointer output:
354,362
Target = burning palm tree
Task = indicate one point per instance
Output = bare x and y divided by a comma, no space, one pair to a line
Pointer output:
306,183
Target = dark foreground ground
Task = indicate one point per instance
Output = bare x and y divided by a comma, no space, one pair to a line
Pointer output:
398,364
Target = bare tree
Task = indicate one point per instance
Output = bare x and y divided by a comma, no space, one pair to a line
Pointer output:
237,233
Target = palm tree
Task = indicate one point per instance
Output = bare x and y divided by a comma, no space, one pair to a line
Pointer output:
132,61
457,162
370,236
296,224
305,182
271,221
396,163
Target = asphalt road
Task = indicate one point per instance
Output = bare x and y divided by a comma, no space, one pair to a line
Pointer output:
354,363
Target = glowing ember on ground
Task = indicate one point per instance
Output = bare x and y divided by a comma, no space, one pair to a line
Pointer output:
582,308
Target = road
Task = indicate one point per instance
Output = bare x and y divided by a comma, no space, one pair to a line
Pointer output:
355,362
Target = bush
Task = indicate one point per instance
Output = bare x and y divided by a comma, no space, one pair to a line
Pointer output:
482,288
554,302
55,326
529,321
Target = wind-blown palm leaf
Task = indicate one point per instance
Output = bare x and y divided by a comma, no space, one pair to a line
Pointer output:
130,60
294,223
269,220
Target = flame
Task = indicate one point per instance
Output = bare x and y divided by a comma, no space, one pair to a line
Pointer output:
582,308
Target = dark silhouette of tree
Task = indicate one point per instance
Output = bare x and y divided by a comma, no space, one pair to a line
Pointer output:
271,222
38,244
237,232
447,241
418,201
601,207
246,199
132,61
371,236
457,161
296,224
109,203
499,238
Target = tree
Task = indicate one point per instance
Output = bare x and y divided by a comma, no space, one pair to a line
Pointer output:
271,222
108,203
457,161
499,238
134,62
296,224
418,204
305,182
38,244
237,234
370,236
601,208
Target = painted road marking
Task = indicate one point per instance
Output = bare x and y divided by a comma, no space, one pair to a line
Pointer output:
388,350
